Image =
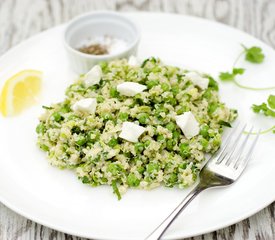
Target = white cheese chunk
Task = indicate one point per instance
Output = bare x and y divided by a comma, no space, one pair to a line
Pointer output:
130,89
188,124
93,76
133,61
86,105
197,80
131,131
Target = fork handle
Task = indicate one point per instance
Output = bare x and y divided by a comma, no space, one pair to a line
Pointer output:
158,232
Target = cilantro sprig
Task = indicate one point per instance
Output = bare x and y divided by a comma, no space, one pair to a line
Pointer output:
230,76
253,55
268,109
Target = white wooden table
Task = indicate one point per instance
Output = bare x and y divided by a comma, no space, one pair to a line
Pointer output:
23,18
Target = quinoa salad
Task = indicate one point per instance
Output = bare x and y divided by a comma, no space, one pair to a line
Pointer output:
126,124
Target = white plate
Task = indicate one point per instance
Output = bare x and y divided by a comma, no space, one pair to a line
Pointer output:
31,187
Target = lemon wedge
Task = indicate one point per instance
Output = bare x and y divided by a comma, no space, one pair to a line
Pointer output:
20,92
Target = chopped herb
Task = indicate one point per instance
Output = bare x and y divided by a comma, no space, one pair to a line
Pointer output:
115,189
213,84
224,123
85,180
48,108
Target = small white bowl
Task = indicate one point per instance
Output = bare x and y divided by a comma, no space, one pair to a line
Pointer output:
96,24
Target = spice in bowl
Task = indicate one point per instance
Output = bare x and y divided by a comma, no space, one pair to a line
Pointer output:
102,45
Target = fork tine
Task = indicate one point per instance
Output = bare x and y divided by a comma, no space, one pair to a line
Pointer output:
235,145
249,154
222,158
241,149
226,143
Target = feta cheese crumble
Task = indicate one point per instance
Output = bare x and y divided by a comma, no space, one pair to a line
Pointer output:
130,89
93,76
86,105
188,124
131,131
197,80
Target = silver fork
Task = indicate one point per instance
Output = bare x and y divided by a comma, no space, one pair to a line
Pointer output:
223,168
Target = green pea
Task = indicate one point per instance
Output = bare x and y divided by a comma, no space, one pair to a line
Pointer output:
93,136
85,180
172,101
107,116
147,143
72,117
132,180
161,109
156,69
212,107
81,140
171,126
160,138
113,142
204,131
165,87
170,145
141,169
139,147
65,108
173,179
184,150
143,118
176,134
216,141
57,116
183,165
113,168
152,83
104,66
151,167
175,90
100,99
114,93
207,94
182,110
123,116
40,128
204,143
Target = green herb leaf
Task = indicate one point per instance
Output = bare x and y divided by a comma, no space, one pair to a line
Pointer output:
237,71
213,84
48,108
230,76
263,108
115,189
224,123
271,101
254,54
226,76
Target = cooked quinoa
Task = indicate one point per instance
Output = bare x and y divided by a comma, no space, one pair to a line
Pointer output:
90,143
